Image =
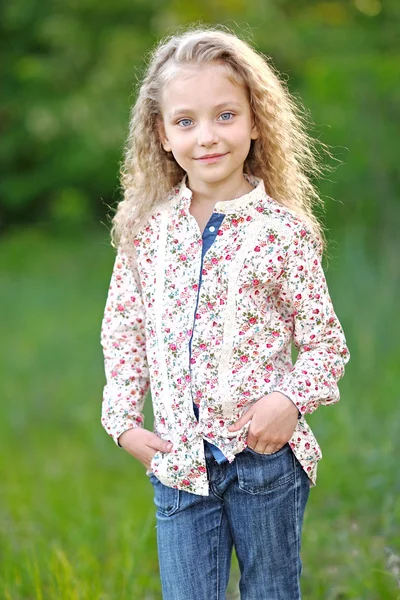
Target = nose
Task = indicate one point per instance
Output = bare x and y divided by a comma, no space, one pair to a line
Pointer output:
207,136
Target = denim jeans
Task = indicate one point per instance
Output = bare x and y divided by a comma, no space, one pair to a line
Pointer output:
256,505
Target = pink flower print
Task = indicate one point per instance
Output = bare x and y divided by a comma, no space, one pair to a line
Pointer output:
257,249
186,482
280,258
202,469
298,297
252,320
244,358
248,218
228,257
183,257
235,222
184,438
214,260
256,282
120,308
271,238
172,347
303,232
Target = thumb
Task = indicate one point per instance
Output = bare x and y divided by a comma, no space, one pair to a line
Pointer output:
242,421
163,445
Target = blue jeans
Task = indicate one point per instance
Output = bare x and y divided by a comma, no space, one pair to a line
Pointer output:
256,504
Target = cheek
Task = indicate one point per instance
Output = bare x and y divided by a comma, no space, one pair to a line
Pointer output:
182,145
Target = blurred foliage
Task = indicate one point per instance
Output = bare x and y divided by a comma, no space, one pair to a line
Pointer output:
68,74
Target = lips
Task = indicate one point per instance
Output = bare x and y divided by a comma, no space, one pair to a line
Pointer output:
210,156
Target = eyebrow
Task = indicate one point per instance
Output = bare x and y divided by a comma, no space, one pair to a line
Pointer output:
179,111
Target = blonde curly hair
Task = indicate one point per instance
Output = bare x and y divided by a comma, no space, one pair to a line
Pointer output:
284,156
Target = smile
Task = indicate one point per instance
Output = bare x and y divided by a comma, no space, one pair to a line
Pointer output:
211,158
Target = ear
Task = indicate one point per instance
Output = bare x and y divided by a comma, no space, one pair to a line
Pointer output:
254,132
162,135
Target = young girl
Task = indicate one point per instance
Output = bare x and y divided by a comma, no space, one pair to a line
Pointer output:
218,271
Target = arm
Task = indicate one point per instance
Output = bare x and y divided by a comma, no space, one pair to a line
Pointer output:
124,349
317,333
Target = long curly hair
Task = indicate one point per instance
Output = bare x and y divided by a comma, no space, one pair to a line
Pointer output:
284,155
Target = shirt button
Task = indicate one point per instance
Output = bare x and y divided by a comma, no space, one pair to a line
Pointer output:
212,228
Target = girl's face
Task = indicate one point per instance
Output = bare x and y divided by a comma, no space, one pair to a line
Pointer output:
205,115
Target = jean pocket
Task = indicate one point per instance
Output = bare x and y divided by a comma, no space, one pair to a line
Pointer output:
166,498
259,473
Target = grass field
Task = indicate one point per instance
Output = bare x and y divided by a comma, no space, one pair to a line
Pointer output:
76,513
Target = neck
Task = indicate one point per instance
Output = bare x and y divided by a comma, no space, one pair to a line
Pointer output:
222,191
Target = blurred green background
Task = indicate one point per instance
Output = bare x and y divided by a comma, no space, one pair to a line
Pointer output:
76,513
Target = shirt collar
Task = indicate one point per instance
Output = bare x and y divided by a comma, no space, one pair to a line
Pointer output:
256,196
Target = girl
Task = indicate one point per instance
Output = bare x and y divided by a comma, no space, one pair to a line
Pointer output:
218,271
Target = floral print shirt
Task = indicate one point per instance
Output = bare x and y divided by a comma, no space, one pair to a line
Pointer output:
263,287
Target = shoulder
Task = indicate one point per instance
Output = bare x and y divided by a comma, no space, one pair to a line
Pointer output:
150,227
297,233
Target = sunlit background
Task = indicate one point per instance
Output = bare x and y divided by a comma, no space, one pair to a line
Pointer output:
76,513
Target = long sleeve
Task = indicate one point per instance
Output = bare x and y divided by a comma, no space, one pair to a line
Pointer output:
317,333
124,348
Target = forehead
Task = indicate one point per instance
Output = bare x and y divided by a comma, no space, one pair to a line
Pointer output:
199,87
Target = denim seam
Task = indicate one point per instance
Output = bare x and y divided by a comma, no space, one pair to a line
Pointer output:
297,518
219,539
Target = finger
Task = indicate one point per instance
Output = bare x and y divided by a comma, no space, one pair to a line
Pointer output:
266,448
251,440
258,446
161,445
247,416
278,447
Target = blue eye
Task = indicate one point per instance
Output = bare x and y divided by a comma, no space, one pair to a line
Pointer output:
183,121
227,113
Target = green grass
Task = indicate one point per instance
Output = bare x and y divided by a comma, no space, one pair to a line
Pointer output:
76,513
